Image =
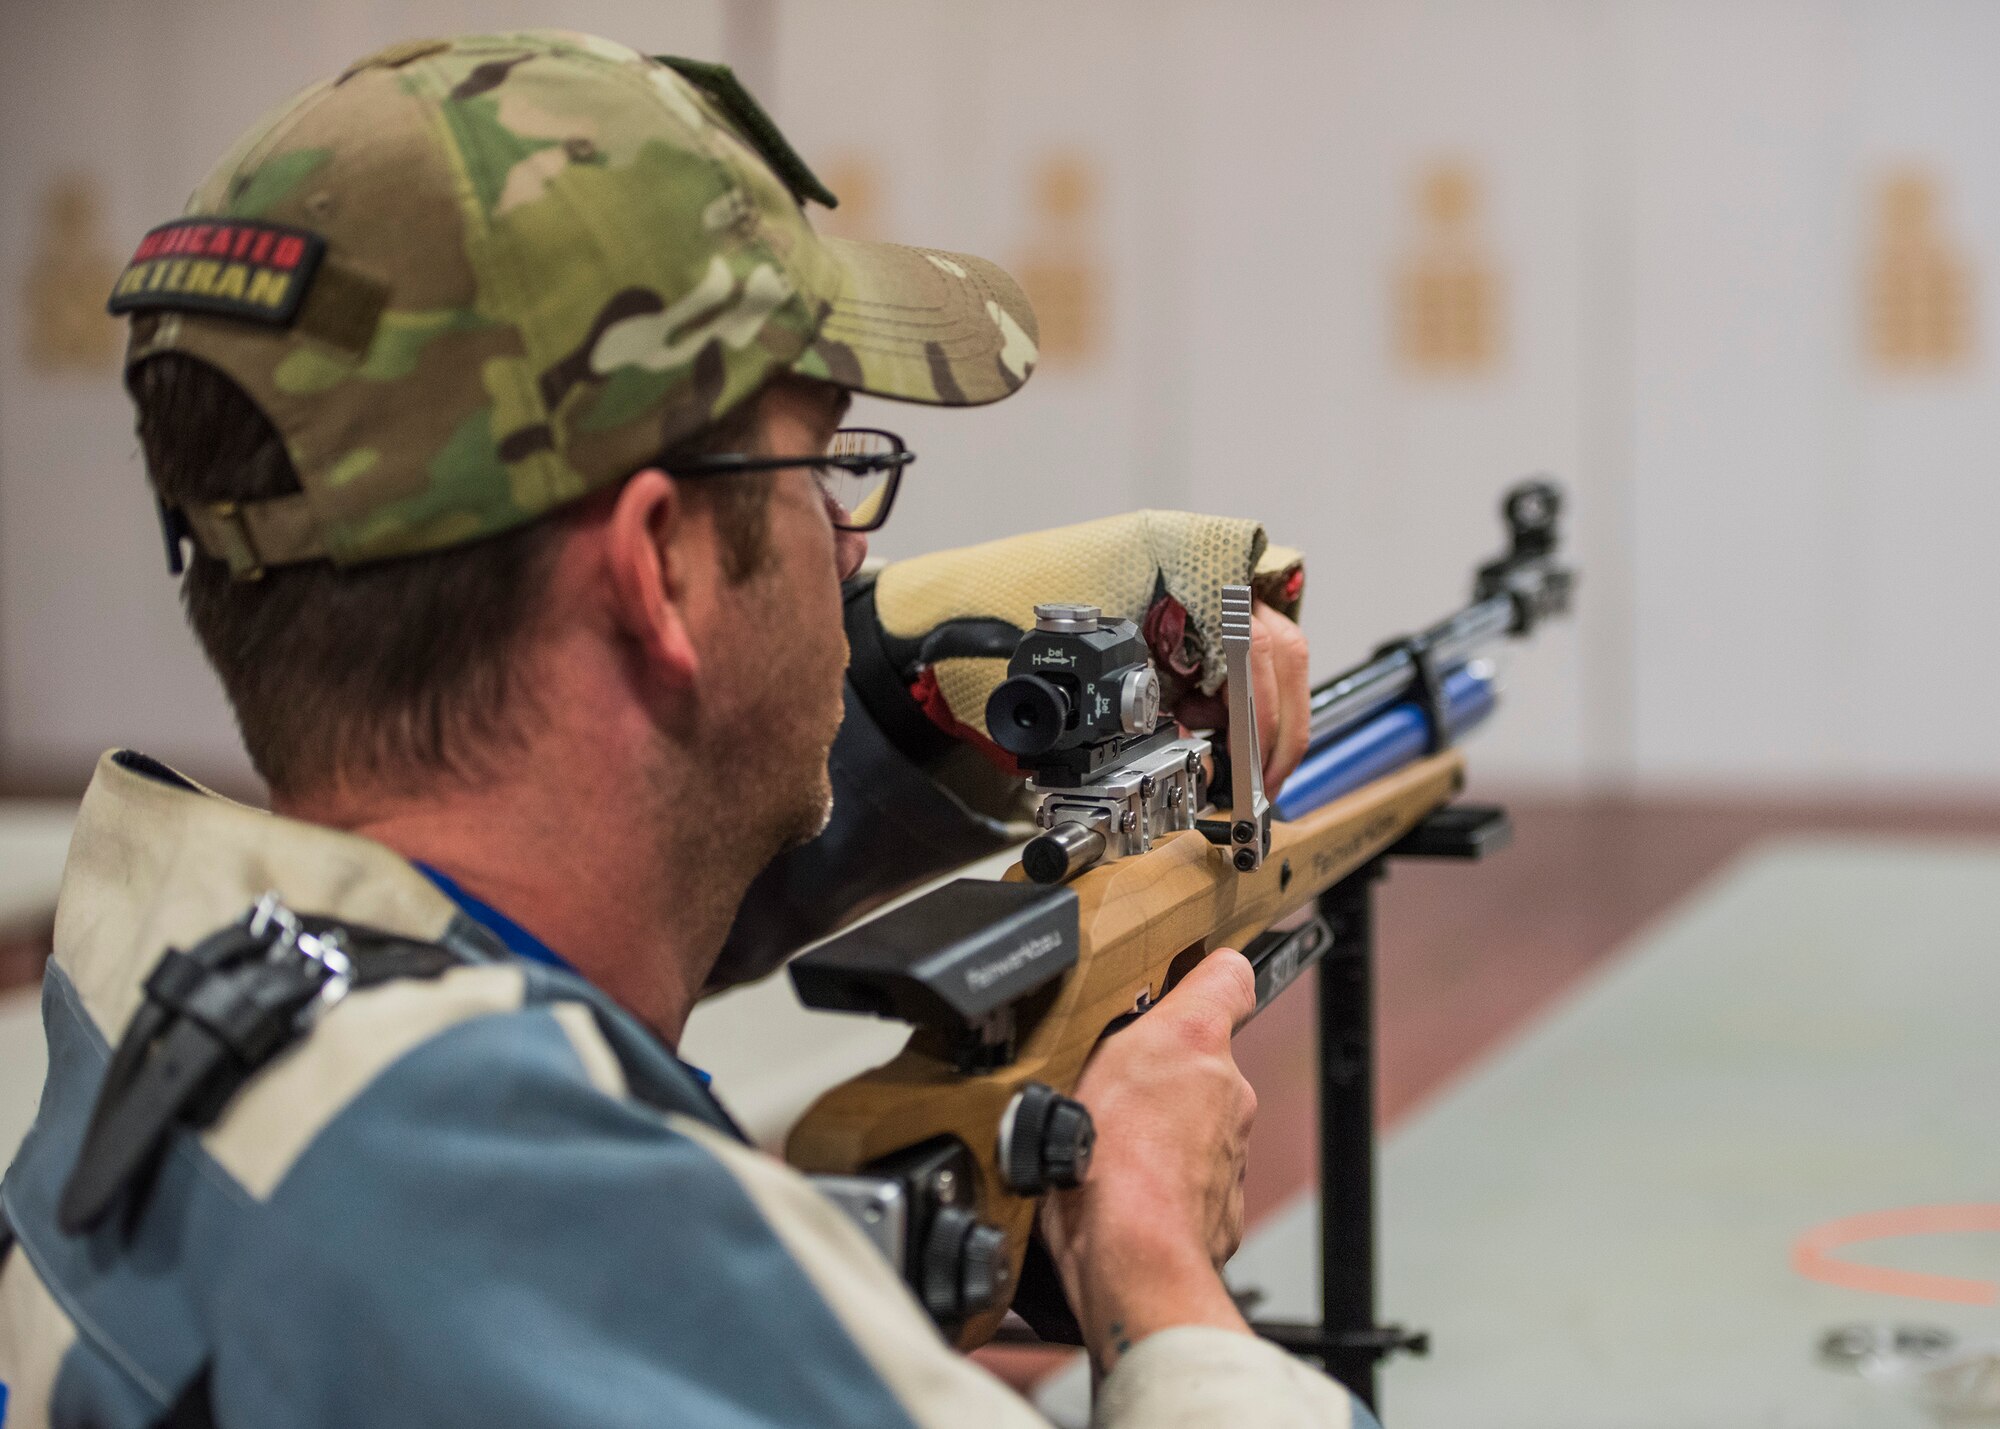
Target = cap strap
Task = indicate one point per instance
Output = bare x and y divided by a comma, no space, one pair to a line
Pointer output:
720,84
252,535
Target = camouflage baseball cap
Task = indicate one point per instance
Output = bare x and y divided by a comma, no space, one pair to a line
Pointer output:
469,280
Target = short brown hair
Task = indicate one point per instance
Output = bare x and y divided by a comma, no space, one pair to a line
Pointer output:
399,668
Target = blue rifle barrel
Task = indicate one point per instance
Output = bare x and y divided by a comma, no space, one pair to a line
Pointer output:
1345,701
1399,735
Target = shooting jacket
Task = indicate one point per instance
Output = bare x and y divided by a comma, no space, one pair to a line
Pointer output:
483,1197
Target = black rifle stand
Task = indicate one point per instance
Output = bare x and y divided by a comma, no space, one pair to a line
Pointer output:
1347,1340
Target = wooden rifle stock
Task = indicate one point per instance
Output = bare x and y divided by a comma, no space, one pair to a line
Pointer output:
1143,921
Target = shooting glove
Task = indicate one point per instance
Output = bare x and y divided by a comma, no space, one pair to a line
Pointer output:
930,640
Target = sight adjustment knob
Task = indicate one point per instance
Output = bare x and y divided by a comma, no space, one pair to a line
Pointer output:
1067,618
1046,1140
1139,700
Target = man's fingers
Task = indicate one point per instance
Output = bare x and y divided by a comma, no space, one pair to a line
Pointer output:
1280,681
1225,1230
1224,982
1264,684
1284,693
1295,688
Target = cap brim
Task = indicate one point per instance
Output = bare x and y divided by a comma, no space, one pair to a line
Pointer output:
921,325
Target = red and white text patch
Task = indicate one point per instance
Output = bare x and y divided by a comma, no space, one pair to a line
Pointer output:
237,268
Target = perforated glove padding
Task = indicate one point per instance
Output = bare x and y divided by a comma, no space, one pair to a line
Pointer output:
948,621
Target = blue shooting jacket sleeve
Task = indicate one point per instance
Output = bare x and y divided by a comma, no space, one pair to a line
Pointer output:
484,1238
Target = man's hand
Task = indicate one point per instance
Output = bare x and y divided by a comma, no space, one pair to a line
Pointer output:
1280,671
1280,668
1141,1243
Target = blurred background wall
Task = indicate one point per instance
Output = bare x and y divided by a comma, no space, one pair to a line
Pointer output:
1725,266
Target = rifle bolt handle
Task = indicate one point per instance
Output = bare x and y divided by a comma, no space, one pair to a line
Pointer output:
1067,849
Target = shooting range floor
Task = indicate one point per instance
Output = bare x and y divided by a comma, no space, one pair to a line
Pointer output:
1598,1225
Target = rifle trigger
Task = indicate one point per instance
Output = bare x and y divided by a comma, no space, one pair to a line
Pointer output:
1141,1005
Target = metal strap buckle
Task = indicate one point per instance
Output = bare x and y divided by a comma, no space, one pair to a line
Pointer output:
271,920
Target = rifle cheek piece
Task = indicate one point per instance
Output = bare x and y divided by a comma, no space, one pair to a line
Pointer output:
956,962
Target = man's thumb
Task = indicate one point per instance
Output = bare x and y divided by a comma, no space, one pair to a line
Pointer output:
1224,980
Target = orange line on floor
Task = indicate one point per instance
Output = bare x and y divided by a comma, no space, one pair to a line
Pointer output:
1812,1253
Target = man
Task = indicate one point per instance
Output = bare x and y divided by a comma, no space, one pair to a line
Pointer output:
491,383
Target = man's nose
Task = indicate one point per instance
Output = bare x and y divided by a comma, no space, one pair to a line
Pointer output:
850,549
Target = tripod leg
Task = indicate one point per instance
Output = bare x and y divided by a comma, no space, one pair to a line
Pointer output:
1347,1131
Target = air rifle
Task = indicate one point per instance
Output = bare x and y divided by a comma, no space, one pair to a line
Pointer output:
1145,864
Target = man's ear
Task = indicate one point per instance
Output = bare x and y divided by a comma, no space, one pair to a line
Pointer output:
649,549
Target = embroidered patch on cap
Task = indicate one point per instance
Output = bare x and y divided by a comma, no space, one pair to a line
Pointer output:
238,267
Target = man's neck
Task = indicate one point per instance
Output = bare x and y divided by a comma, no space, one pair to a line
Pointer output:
584,869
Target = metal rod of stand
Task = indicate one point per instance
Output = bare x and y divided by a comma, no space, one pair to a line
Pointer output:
1347,1132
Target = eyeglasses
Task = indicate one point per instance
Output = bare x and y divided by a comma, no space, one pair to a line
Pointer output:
858,474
